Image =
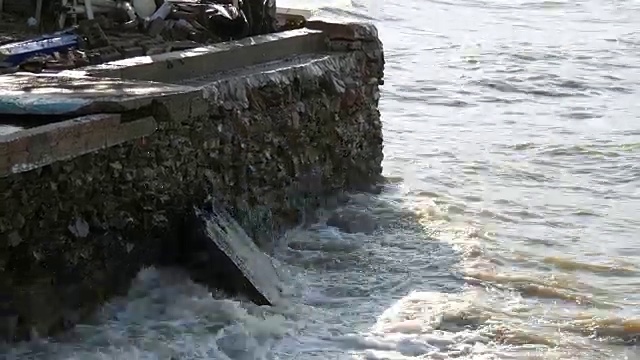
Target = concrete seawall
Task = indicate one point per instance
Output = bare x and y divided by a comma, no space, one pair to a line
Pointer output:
99,166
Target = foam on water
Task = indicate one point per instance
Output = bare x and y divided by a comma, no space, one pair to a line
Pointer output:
166,316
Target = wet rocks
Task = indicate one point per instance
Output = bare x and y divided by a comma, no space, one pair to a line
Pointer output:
353,221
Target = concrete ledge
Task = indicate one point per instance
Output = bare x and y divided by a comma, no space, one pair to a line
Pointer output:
177,66
33,148
75,94
344,31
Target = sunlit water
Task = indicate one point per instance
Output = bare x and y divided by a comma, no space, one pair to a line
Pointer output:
508,228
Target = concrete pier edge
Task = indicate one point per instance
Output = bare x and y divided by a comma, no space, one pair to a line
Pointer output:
275,122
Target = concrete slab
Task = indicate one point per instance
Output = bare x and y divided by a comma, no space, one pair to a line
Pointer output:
177,66
9,129
55,94
232,261
306,13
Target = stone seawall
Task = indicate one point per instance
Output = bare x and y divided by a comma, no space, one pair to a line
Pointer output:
85,203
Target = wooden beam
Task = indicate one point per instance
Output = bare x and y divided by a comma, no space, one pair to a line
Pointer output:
38,12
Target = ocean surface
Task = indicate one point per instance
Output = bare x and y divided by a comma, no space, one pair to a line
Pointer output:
507,228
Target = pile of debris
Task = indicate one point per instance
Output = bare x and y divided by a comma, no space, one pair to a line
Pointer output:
117,29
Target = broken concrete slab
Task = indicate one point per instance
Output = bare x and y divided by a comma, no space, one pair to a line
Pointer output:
55,94
219,253
9,129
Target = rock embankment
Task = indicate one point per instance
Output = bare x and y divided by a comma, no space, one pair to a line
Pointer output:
269,142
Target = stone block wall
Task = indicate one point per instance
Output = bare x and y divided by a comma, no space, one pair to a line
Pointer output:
267,144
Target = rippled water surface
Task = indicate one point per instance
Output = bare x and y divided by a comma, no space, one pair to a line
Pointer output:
508,228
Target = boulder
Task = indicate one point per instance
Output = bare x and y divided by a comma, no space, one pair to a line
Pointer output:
353,221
